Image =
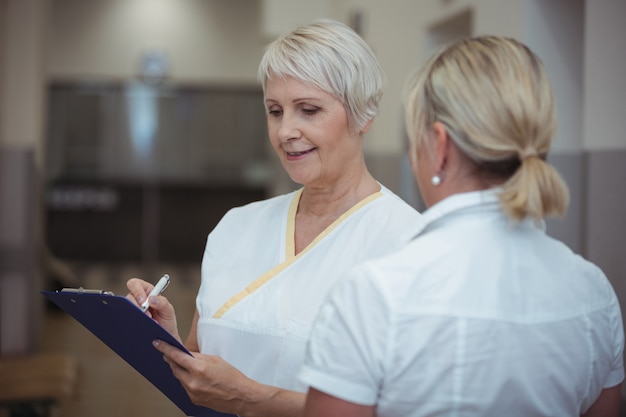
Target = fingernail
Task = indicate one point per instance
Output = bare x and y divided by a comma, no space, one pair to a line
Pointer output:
140,299
156,343
154,301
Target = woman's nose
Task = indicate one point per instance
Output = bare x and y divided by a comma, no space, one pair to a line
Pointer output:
288,127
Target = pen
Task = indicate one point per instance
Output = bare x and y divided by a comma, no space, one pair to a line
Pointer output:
157,290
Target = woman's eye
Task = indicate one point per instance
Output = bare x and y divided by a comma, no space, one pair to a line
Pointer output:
274,112
310,110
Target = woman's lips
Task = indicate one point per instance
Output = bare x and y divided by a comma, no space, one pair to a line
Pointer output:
294,156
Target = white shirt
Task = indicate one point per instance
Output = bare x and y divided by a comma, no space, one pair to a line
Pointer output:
258,299
476,317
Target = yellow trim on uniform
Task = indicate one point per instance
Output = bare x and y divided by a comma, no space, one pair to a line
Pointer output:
290,237
290,245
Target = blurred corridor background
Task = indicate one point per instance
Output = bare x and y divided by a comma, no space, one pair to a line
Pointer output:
129,127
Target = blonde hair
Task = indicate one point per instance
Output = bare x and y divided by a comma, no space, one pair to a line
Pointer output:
329,55
494,97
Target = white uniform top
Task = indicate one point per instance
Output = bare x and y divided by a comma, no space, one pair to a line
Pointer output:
257,300
476,317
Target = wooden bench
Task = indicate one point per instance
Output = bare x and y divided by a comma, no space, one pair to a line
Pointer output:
31,386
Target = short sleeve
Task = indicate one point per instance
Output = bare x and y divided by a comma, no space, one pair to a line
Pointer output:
346,353
616,374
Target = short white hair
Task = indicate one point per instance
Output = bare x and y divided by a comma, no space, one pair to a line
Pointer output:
329,55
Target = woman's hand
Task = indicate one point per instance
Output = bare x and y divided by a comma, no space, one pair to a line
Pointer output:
161,310
212,382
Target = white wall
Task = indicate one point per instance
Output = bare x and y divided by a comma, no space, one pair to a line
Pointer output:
21,128
22,105
605,75
278,16
222,41
216,41
3,6
397,32
204,40
555,31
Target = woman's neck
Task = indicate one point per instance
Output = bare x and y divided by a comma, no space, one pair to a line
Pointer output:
320,207
333,201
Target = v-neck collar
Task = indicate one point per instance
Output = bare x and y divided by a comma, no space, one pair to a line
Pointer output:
290,236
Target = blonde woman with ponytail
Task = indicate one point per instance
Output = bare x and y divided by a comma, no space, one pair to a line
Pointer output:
482,314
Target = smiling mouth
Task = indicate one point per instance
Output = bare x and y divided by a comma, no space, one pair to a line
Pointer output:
298,154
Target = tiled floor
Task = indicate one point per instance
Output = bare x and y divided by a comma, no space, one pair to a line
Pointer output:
108,386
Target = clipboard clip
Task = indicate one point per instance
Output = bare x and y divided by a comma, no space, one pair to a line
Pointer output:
81,290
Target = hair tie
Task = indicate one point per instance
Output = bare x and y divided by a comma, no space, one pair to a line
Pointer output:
528,153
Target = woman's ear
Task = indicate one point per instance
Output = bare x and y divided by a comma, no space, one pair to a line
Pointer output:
367,126
442,147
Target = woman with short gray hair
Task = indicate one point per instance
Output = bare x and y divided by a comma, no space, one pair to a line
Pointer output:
267,266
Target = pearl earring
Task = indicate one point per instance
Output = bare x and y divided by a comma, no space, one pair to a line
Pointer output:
435,180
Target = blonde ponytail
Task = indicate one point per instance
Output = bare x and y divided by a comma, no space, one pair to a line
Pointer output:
536,190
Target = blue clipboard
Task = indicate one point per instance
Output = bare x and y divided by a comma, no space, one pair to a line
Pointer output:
129,332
